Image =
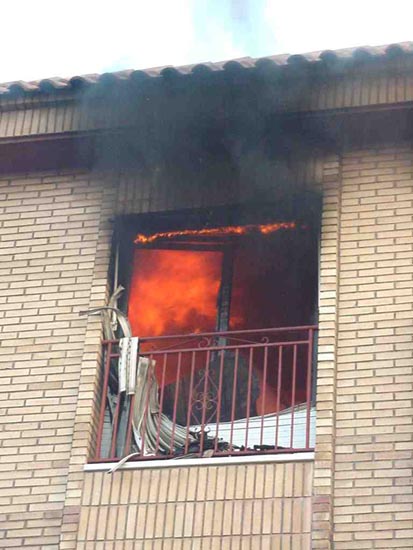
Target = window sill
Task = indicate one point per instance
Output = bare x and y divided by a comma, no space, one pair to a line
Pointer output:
218,461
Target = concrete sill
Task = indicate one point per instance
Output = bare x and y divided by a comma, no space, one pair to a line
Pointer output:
219,461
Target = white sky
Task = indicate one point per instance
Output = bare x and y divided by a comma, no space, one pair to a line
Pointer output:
44,38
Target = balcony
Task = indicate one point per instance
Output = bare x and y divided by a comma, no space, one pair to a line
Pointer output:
212,394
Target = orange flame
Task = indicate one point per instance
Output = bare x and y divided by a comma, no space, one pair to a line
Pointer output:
231,230
174,291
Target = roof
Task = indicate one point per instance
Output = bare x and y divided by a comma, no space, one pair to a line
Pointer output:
324,57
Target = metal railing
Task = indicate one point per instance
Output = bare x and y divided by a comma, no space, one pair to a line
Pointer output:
212,394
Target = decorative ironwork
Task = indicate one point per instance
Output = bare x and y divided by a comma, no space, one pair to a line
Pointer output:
231,392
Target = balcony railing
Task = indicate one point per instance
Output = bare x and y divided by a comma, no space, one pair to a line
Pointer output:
210,394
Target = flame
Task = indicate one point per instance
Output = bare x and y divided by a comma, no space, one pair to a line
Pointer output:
231,231
174,291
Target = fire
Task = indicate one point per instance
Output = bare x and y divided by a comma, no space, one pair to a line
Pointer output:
174,291
230,231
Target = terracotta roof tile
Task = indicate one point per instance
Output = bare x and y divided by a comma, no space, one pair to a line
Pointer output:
311,58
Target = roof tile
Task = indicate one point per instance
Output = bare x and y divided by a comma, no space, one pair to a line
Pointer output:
325,56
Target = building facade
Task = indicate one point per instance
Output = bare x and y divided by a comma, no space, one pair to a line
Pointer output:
84,165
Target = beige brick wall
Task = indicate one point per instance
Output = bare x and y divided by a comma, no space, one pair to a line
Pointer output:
373,497
252,506
323,497
52,228
363,495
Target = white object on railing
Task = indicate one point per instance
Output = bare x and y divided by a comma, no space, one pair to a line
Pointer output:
128,349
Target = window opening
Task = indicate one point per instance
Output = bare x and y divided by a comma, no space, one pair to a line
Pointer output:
227,315
220,279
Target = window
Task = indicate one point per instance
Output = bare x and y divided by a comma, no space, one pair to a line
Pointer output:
225,315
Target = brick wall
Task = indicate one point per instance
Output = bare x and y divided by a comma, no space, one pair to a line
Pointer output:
323,486
374,443
52,230
363,495
251,506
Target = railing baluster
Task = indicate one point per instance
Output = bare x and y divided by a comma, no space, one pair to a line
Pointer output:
279,383
264,391
189,410
248,411
234,395
103,404
219,403
119,400
293,395
204,403
308,389
178,372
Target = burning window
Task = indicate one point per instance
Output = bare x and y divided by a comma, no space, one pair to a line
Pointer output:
224,305
216,281
220,279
